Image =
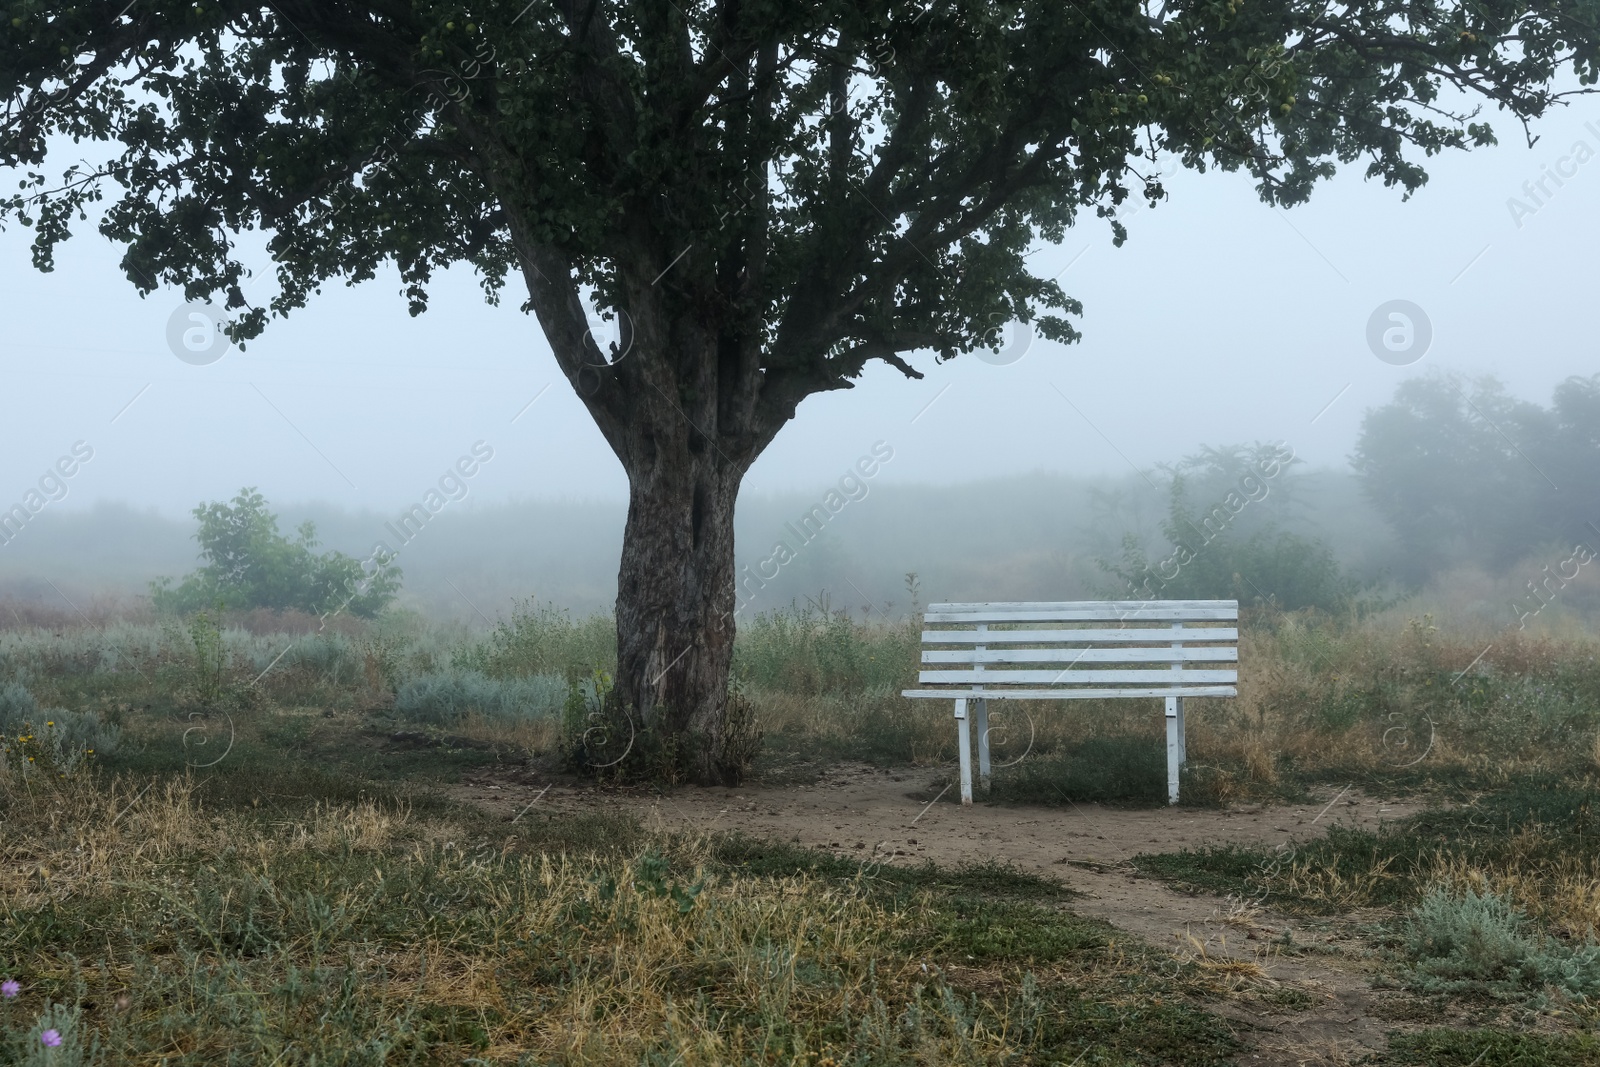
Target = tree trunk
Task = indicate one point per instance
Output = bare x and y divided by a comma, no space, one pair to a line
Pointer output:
675,595
685,405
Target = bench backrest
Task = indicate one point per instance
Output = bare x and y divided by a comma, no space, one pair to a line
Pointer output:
1080,649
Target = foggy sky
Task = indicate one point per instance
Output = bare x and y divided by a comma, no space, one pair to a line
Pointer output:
1221,320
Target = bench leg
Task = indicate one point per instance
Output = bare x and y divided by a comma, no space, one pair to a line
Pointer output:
1174,746
964,743
1183,735
981,714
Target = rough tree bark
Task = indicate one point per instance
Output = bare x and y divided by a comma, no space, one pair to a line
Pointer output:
683,403
675,586
675,592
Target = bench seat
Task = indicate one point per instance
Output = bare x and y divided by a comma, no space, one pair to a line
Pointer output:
1077,650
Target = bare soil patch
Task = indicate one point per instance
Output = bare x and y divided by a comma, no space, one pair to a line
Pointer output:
1305,992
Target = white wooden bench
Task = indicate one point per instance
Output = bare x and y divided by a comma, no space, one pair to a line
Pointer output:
1104,649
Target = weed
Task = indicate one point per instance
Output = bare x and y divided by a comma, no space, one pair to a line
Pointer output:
49,742
540,640
55,1037
210,658
807,652
1472,943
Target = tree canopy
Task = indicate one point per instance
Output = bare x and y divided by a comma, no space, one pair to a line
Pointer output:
822,184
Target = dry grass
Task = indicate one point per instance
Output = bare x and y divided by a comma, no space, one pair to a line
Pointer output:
1343,891
534,736
1403,707
1562,890
78,840
465,947
1315,702
1239,913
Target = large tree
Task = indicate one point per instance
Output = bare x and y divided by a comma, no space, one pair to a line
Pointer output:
768,194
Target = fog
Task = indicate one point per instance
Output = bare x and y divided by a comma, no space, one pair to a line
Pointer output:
1221,321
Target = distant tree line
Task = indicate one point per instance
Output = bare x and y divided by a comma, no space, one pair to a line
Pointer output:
1466,474
1463,474
1226,509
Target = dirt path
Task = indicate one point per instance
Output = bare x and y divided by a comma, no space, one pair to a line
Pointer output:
864,812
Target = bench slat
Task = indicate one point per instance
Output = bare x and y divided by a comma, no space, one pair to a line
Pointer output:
1087,614
1070,677
1083,655
1072,694
1142,634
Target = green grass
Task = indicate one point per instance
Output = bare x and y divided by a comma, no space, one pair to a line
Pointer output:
320,930
1389,711
331,757
984,930
314,898
1542,824
1490,905
1490,1048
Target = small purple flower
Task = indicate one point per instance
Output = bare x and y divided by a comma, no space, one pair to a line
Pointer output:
50,1038
9,988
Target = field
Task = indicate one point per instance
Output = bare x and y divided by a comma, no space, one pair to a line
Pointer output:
266,839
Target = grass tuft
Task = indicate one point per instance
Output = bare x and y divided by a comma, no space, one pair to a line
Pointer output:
1490,1048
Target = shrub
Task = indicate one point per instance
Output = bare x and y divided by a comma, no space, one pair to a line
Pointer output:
1482,944
545,640
37,738
445,697
249,564
1255,560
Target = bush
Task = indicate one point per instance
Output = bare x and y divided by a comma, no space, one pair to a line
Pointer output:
66,730
249,564
445,697
1481,944
545,640
37,738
